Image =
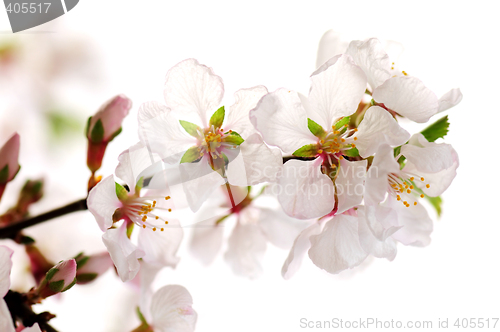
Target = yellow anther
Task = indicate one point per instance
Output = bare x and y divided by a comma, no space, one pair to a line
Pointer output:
169,210
408,191
154,229
422,195
342,140
405,202
167,198
166,222
143,226
341,157
353,145
412,178
414,203
422,179
161,229
157,217
398,197
411,187
427,185
355,138
404,73
144,218
320,151
355,130
322,141
154,203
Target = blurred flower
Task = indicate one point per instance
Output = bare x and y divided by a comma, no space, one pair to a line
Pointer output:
58,279
103,127
91,267
9,165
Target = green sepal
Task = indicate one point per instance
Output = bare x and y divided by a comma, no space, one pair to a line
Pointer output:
221,219
116,133
191,155
139,185
26,240
140,315
87,126
342,122
86,277
56,286
402,159
70,285
190,128
97,134
4,174
217,118
50,273
81,260
130,229
351,152
315,129
310,150
438,129
436,202
121,192
233,137
226,160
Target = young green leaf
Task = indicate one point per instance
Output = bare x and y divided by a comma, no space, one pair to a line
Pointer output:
233,138
310,150
352,152
342,122
217,118
191,155
121,192
315,129
438,129
190,128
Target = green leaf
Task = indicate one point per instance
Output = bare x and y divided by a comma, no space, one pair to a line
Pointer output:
56,286
4,174
316,129
233,138
86,277
191,155
51,273
97,134
351,152
310,150
438,129
121,192
190,128
217,118
342,122
436,202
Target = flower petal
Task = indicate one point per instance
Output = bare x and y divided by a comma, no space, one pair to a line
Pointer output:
337,247
280,229
372,58
34,328
299,248
376,180
102,202
282,121
330,45
111,115
172,311
206,240
238,114
6,324
428,157
5,267
305,192
350,184
193,91
407,96
416,224
336,91
246,245
124,254
374,237
449,99
376,128
9,155
160,248
162,133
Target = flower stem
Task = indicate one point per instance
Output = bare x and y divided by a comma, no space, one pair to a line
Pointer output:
11,230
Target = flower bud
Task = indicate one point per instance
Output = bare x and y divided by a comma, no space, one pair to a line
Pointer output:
103,127
9,165
91,267
59,279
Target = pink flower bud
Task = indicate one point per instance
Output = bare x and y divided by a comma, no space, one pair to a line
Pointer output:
110,116
9,154
60,278
90,267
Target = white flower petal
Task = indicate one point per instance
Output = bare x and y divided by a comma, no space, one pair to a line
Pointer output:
238,115
376,128
162,133
261,162
376,181
123,253
280,229
407,96
374,237
193,91
330,45
172,311
449,99
305,192
336,91
428,157
416,224
206,240
337,248
102,202
34,328
246,245
160,248
350,184
6,324
372,58
299,248
5,267
282,121
199,182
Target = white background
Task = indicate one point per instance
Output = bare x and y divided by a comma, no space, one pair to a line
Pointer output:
447,44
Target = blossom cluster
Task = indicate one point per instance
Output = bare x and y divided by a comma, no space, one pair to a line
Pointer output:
337,159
